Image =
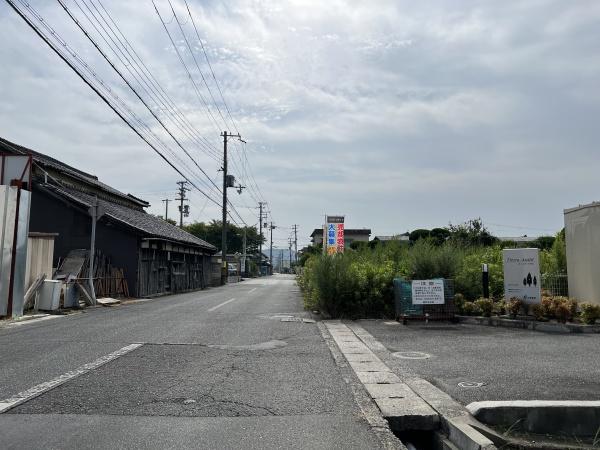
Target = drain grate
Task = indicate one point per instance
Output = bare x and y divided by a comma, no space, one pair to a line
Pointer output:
411,355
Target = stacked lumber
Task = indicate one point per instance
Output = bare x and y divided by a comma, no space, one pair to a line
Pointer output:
109,281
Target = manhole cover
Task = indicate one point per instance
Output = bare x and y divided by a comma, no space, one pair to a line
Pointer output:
470,384
411,355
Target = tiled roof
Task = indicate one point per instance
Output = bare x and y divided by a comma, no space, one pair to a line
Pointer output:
48,162
148,224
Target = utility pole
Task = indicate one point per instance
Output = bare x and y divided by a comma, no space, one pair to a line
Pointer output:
228,181
260,236
296,243
184,210
244,253
272,227
281,261
290,250
166,202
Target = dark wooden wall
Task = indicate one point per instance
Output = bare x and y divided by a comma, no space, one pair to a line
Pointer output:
52,215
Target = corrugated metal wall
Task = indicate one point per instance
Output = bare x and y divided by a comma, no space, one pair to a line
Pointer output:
40,254
582,233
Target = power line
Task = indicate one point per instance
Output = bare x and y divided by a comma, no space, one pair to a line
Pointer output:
250,180
107,59
96,90
198,93
121,48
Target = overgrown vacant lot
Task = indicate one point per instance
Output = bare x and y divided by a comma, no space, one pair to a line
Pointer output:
359,282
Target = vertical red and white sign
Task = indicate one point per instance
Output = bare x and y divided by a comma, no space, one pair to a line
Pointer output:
340,238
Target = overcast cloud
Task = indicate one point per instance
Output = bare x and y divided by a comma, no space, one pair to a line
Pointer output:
398,114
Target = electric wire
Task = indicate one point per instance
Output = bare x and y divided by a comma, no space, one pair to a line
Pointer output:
120,113
123,50
107,59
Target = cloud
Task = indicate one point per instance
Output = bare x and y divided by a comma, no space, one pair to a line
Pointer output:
401,115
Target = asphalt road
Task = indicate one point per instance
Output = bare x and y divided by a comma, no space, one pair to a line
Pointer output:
511,364
230,367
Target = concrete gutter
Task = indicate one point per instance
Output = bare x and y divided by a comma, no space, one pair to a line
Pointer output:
548,327
410,403
404,410
578,418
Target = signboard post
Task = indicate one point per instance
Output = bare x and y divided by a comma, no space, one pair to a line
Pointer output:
428,292
522,278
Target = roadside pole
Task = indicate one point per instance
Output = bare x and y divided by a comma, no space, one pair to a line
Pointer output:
272,227
95,212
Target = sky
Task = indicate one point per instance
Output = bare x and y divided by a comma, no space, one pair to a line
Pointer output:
397,114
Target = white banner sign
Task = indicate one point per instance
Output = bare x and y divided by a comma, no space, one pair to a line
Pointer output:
428,292
522,278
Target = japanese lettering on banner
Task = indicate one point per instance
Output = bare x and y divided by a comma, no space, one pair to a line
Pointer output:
334,234
428,292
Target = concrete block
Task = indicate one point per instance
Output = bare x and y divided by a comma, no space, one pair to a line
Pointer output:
377,377
465,437
365,357
570,417
371,366
438,399
405,414
394,390
442,442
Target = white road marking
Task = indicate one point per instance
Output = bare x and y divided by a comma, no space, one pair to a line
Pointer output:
220,304
252,290
42,388
29,321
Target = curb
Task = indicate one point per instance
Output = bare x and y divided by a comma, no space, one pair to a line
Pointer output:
548,327
569,417
455,421
369,409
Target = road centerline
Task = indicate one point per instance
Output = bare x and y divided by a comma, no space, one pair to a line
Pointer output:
214,308
251,290
42,388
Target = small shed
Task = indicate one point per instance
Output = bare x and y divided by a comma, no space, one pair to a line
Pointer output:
582,233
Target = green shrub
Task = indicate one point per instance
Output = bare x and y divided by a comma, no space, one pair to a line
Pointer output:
562,312
468,276
428,261
469,308
572,304
348,285
459,303
547,305
485,305
537,311
500,308
589,313
514,306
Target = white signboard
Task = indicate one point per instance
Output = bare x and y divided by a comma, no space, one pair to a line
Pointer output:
428,292
522,278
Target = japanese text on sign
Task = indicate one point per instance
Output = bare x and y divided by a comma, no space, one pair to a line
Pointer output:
428,292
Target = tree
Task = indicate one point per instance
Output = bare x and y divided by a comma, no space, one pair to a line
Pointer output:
419,234
308,252
471,233
439,235
544,242
211,233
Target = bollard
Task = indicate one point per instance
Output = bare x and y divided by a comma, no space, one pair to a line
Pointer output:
485,279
